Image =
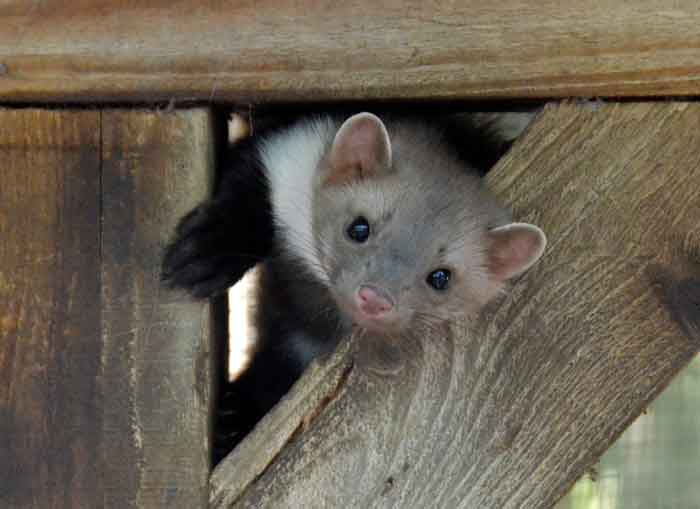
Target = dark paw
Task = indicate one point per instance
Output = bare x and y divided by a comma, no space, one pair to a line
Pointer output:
215,244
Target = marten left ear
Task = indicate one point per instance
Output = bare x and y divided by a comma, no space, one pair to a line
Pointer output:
512,249
361,149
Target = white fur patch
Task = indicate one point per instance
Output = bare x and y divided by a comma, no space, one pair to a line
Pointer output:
291,160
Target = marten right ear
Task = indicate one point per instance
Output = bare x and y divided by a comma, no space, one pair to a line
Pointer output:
361,149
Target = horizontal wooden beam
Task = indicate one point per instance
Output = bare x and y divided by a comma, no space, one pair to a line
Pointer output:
306,50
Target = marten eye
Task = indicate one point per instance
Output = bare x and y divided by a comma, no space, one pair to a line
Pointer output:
439,279
359,230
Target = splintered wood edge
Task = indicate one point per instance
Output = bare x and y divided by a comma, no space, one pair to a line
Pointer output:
318,386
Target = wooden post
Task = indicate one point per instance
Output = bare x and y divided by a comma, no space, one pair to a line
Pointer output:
510,411
50,404
104,378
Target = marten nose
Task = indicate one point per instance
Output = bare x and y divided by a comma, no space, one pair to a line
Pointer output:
374,301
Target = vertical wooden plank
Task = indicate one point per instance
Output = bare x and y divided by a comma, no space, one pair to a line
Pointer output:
104,380
156,350
50,404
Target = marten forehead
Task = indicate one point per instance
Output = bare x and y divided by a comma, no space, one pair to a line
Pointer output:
429,216
436,200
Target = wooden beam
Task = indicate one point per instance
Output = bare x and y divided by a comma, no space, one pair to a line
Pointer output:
157,50
50,410
510,411
104,379
156,346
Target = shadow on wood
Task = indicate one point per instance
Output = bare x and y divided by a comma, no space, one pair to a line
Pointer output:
510,411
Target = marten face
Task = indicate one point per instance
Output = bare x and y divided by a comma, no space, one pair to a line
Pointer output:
399,231
396,254
403,234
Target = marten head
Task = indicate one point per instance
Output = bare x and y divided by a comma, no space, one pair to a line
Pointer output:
403,233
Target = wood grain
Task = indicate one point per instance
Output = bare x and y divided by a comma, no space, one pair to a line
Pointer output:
508,412
156,350
104,378
157,50
50,407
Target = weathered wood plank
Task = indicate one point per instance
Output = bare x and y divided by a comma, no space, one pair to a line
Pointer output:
509,412
358,49
104,379
50,405
156,357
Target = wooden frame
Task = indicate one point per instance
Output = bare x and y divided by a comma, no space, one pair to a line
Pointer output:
90,348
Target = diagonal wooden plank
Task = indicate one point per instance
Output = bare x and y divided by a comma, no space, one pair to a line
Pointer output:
509,412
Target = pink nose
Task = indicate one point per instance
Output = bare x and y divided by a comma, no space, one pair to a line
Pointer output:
373,301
